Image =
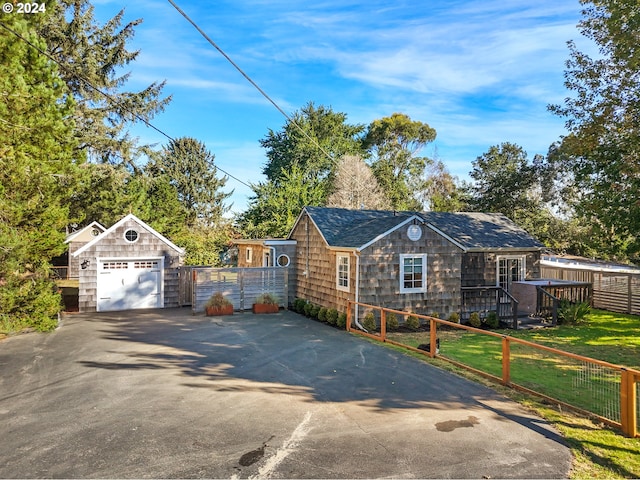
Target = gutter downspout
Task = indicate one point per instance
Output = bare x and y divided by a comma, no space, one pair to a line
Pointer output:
273,257
357,255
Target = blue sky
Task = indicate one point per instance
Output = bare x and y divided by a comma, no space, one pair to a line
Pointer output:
479,72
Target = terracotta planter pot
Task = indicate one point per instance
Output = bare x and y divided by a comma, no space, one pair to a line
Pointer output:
265,308
217,311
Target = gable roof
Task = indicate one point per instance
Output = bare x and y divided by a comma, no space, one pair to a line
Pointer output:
120,222
74,235
481,231
357,229
354,229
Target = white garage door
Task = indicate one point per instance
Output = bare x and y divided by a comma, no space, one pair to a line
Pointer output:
131,283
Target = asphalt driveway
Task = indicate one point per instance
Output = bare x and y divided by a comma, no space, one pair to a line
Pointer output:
165,394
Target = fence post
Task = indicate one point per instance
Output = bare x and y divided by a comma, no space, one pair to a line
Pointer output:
348,315
433,350
383,325
506,361
628,403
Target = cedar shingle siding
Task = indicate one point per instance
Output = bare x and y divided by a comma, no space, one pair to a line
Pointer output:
461,251
112,244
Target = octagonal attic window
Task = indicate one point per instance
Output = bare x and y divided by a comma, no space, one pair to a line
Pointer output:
131,235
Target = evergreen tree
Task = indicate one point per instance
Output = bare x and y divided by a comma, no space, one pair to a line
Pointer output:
275,206
98,54
326,138
187,165
38,175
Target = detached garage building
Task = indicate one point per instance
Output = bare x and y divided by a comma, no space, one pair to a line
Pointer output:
128,266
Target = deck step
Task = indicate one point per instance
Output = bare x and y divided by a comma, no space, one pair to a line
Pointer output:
527,322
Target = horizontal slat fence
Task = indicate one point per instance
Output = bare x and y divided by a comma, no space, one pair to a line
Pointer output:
612,291
240,285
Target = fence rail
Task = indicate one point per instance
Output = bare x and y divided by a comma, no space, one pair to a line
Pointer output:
240,285
600,389
613,291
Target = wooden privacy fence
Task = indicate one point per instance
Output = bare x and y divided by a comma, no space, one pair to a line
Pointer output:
240,285
599,389
613,291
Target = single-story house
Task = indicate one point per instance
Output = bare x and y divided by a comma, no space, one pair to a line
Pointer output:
424,262
127,266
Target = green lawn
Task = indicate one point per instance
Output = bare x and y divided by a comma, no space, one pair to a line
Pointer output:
600,452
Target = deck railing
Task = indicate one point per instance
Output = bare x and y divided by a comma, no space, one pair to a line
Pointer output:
490,299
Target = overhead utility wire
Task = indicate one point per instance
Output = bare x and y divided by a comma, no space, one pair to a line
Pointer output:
106,95
264,94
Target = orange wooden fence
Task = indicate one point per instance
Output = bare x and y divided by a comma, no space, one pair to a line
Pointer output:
629,379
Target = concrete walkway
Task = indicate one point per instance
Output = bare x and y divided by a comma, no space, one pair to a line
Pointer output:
166,394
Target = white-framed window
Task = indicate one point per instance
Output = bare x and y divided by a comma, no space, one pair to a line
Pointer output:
342,272
510,268
413,273
283,260
131,235
249,255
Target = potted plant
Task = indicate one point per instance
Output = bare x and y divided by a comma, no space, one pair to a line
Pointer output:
266,303
218,305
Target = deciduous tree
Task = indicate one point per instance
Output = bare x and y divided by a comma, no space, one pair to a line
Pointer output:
602,148
355,186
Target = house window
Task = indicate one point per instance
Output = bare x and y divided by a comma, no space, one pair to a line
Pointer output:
413,273
131,235
249,256
511,268
342,272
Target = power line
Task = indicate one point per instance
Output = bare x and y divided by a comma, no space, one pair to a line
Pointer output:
262,92
106,95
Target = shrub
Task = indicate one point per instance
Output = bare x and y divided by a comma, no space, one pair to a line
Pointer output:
572,313
332,316
369,322
322,314
308,307
434,315
492,320
392,321
315,309
412,322
299,304
474,320
454,317
342,320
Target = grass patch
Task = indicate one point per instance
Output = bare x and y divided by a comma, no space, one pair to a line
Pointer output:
599,451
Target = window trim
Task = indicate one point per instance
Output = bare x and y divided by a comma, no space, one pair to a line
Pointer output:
347,278
523,268
423,287
133,230
249,255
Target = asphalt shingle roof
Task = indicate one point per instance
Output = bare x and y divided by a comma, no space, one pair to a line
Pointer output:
355,228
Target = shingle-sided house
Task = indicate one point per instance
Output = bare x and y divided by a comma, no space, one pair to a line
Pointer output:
423,262
77,240
128,266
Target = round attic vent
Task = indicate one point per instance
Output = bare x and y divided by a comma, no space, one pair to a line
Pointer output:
414,232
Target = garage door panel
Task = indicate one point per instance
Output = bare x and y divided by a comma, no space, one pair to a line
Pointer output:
129,284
